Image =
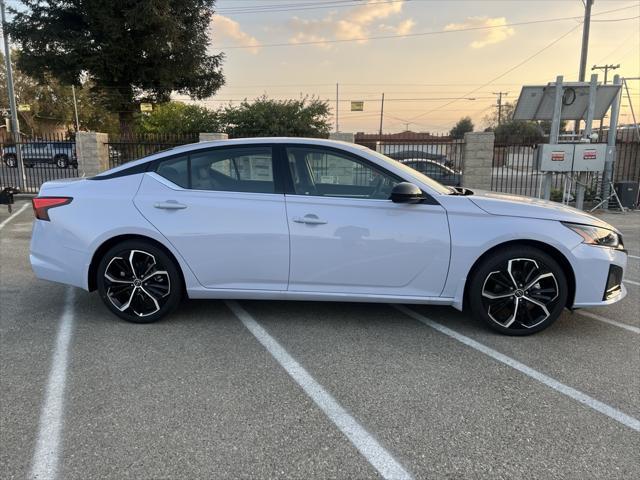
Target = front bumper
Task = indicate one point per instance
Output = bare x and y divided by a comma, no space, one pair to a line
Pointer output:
592,266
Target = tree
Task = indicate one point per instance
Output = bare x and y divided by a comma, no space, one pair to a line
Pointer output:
510,130
130,50
306,117
51,102
177,117
463,126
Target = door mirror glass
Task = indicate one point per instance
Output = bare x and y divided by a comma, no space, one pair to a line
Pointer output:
406,192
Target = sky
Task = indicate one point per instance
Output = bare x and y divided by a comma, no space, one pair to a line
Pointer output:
438,62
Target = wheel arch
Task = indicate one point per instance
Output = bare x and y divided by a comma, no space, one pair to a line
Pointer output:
556,254
107,244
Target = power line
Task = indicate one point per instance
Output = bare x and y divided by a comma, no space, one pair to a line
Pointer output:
421,34
546,47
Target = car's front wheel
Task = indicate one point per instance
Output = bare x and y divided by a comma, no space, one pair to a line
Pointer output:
518,291
139,282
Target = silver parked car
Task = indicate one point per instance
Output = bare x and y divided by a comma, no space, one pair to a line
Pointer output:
61,154
436,170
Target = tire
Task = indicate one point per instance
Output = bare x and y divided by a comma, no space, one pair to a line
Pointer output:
61,161
11,161
128,288
505,282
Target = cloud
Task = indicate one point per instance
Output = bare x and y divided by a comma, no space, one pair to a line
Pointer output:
354,24
227,29
489,37
403,28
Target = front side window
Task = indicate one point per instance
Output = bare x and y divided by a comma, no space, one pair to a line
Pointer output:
327,173
246,169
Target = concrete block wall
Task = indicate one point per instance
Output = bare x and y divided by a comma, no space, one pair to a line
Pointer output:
210,137
478,160
92,152
343,136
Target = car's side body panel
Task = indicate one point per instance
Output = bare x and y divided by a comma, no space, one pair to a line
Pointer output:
231,240
367,247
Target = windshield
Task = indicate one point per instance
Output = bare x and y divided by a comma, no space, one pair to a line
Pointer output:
438,187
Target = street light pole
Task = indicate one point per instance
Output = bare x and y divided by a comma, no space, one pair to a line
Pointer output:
15,125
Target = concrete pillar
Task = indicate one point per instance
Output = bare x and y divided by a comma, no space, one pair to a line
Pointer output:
92,152
343,137
477,160
210,137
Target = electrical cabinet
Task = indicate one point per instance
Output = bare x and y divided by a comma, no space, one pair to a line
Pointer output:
589,157
555,157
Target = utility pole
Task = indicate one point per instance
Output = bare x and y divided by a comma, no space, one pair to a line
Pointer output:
381,115
585,39
337,100
606,69
500,94
15,125
75,107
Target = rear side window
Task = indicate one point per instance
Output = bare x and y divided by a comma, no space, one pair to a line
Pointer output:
246,169
176,170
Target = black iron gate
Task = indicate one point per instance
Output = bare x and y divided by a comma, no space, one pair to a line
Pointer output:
45,157
126,148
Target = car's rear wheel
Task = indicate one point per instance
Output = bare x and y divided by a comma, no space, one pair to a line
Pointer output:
11,161
62,161
139,282
518,291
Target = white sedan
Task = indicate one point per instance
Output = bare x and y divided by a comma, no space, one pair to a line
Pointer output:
309,219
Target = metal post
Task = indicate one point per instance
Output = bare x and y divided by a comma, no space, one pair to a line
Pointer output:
15,125
554,134
585,39
593,87
75,107
381,115
607,176
633,113
337,100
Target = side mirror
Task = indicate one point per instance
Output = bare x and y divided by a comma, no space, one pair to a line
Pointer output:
406,192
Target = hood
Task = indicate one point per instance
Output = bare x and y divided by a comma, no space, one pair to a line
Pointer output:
518,206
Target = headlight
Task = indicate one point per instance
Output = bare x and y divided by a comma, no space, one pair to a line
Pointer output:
596,235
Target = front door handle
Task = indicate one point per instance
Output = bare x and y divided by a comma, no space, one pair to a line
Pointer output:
309,219
170,205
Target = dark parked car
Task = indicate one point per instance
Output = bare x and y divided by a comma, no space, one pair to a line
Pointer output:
439,172
61,154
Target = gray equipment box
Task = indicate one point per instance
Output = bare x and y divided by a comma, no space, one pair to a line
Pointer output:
627,193
589,157
555,157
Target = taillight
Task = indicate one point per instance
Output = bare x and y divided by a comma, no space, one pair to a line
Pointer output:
41,205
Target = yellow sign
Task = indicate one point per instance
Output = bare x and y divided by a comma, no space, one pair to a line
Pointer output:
146,107
24,107
357,106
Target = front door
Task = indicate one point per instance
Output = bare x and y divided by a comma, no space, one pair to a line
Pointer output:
219,209
347,237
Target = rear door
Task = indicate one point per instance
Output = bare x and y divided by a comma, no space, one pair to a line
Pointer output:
221,209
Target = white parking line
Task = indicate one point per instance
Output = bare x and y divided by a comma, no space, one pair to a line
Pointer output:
631,282
600,318
577,395
368,446
45,457
634,256
13,215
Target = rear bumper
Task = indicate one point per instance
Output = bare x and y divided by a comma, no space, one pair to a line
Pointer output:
52,259
592,266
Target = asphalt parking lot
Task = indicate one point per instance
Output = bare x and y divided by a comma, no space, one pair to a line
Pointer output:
309,390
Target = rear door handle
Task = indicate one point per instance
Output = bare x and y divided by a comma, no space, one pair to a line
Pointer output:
169,205
309,219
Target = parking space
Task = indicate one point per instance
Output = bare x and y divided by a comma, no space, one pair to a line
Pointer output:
317,390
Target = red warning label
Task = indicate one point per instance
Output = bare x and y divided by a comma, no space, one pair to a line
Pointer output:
557,156
589,155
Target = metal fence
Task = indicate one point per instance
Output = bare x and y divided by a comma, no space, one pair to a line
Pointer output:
46,157
514,171
444,150
125,148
